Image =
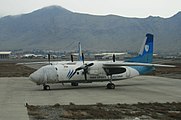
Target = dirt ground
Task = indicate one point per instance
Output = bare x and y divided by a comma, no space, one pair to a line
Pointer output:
168,72
146,111
9,69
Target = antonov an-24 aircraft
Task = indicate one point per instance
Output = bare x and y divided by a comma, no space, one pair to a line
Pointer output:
98,71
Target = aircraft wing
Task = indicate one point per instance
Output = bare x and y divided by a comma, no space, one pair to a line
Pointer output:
116,64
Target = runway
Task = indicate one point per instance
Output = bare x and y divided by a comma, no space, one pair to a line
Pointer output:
16,91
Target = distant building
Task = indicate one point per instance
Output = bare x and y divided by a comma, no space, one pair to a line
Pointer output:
5,55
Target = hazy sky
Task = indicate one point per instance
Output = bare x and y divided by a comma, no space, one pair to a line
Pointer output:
128,8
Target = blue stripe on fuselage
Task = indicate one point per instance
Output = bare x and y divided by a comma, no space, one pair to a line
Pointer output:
143,69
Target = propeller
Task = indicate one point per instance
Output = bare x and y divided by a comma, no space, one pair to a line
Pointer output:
113,58
86,69
83,67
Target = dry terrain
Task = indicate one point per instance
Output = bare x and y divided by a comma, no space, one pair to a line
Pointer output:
162,111
12,70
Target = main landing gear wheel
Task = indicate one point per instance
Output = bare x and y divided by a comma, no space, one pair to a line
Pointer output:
110,86
46,87
74,84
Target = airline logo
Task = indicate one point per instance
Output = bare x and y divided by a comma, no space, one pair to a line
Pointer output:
70,74
146,48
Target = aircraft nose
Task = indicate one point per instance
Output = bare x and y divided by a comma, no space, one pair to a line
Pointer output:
37,76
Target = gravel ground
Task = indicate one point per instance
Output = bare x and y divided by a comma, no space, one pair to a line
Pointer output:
146,111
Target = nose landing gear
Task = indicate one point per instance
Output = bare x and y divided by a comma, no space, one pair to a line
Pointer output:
74,84
46,87
110,86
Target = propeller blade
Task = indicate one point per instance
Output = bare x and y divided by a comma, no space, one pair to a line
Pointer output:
79,68
49,58
90,64
114,58
83,58
84,66
72,59
85,74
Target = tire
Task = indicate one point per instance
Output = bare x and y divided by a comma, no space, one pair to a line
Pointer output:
46,87
74,84
110,86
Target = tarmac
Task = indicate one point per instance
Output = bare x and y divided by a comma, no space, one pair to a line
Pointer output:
15,92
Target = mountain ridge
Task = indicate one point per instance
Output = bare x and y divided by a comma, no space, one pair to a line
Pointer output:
55,27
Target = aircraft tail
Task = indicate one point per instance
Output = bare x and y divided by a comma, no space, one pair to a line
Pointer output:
146,52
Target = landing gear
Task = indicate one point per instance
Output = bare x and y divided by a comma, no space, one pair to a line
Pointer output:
74,84
46,87
110,85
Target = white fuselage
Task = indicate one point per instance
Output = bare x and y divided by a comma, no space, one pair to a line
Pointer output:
64,73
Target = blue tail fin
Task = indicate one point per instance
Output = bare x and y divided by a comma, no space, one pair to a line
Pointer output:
80,58
146,51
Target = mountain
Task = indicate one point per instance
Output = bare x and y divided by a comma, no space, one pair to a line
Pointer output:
57,28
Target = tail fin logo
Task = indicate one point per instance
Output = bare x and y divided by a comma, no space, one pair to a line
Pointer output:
146,48
146,52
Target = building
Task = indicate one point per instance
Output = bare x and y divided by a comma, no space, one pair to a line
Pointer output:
4,55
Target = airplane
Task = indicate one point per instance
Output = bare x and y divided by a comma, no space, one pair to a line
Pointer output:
76,72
